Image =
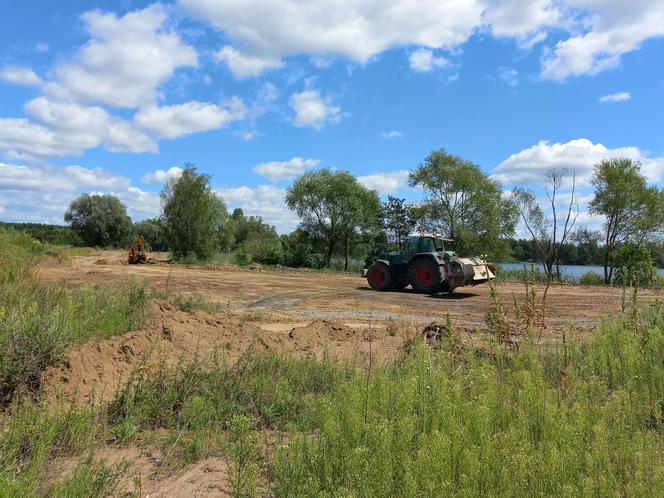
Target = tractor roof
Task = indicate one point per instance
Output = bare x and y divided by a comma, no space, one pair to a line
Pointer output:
431,235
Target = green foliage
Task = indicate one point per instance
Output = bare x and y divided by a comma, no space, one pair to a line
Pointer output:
571,421
399,221
245,456
633,211
634,266
277,390
193,215
153,232
465,204
591,278
99,220
334,208
39,322
50,234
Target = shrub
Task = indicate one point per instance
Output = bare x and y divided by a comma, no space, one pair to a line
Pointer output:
591,278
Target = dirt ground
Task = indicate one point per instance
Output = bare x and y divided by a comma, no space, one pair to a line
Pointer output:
282,310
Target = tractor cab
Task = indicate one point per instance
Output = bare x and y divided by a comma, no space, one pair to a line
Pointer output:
429,244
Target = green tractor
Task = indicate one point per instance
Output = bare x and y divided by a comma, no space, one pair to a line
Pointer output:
429,265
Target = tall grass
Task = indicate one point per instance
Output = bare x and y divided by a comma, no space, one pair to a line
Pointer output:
39,322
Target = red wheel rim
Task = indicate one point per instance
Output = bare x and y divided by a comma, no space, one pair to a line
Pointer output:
378,276
424,276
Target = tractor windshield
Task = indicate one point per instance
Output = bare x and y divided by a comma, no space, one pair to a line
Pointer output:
439,245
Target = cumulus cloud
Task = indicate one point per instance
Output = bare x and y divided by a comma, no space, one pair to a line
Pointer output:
612,29
161,176
385,183
243,65
424,60
125,60
351,28
287,170
266,201
42,194
19,75
174,121
530,165
311,109
616,97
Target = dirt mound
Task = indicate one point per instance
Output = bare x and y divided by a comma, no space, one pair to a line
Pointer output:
144,475
97,369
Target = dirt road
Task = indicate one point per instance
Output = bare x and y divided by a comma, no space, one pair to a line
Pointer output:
301,295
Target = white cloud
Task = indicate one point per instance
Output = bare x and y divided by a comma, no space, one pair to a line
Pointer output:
352,28
42,194
266,201
242,65
523,19
42,47
424,60
125,60
611,29
19,75
161,176
313,110
174,121
391,135
509,75
616,97
67,129
286,170
530,165
385,183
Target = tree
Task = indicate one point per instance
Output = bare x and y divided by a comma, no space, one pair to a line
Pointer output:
193,215
398,221
549,235
99,220
633,212
153,232
334,207
464,204
255,238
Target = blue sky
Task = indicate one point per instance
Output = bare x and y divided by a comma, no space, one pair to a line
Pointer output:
116,96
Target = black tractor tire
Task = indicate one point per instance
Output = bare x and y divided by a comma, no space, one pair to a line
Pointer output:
399,285
426,275
379,276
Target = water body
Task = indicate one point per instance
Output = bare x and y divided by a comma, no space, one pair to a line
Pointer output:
573,272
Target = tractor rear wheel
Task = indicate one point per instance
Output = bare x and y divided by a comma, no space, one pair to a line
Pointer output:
425,275
379,276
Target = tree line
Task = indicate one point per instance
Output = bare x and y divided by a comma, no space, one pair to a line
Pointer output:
342,221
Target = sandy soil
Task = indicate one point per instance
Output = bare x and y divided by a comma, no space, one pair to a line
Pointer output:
282,310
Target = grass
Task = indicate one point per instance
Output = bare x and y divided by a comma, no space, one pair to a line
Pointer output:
580,416
39,322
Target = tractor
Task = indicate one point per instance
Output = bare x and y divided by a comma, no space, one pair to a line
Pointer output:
136,254
430,265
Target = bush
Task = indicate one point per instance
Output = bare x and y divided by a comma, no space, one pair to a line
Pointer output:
591,278
634,266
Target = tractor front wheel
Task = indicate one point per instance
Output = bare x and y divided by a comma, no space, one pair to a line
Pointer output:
379,276
425,275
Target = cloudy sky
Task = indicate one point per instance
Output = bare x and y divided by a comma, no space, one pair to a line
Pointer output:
115,96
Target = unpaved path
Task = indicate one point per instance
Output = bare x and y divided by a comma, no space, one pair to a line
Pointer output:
302,295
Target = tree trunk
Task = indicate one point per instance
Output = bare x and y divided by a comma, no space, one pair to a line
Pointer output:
346,254
330,249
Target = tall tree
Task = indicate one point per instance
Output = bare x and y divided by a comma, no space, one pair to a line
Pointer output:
465,204
398,222
334,207
99,220
549,235
633,212
192,215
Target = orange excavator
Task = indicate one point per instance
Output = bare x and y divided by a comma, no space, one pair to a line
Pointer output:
136,253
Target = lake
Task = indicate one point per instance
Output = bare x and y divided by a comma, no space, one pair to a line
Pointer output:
571,271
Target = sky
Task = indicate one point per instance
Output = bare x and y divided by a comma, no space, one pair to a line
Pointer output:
117,96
